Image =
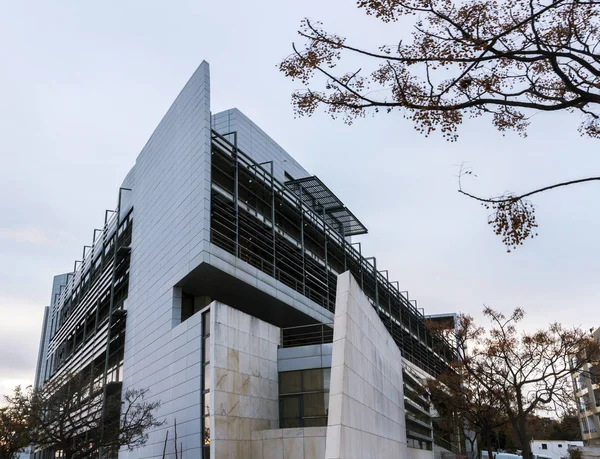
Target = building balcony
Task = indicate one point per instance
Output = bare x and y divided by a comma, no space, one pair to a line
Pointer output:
591,434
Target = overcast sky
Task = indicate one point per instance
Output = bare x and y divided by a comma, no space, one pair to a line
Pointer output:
84,84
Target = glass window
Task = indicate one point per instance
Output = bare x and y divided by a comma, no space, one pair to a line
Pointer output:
312,380
207,374
315,422
544,446
206,323
314,404
206,349
292,422
290,382
309,404
290,406
206,404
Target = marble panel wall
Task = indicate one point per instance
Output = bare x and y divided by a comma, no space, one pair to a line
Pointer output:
366,402
244,380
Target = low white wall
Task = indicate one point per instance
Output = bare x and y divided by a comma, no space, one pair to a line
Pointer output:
303,443
414,453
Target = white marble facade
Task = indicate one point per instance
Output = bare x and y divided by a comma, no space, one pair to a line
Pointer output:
302,443
244,394
170,195
366,401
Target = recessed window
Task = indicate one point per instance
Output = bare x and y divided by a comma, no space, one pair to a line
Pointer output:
205,389
304,398
544,445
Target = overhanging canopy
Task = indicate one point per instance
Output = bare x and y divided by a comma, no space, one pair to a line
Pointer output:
315,194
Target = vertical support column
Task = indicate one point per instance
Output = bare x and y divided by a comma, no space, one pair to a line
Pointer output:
418,322
273,220
105,233
343,233
376,281
400,302
326,262
362,271
387,278
409,314
302,243
236,194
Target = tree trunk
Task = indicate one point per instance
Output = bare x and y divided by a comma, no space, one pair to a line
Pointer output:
520,426
488,442
525,447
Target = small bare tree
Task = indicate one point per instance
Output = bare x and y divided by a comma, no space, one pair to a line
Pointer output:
71,415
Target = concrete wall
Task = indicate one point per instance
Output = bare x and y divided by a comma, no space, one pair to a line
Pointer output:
414,453
171,199
245,397
305,443
366,402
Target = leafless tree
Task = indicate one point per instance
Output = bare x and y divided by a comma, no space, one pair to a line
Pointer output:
464,403
70,414
525,373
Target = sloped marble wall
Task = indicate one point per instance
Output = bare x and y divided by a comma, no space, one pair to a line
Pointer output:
366,402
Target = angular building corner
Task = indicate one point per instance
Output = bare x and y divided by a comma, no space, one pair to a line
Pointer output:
228,283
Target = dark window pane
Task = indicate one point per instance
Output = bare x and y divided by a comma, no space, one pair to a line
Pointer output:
313,380
314,404
290,382
291,406
315,422
292,422
206,350
187,306
326,377
207,374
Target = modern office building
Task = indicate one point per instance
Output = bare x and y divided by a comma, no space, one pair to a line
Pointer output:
230,283
586,385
